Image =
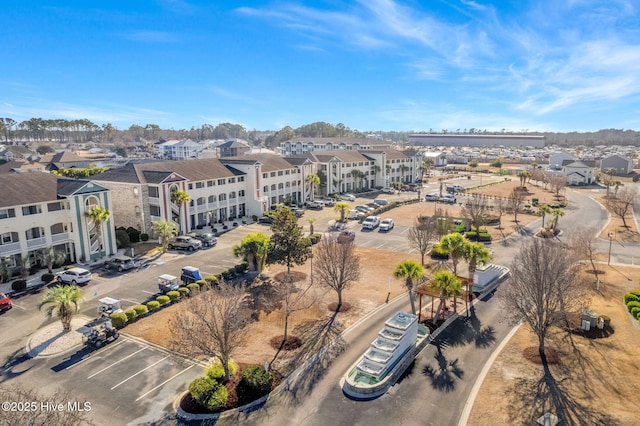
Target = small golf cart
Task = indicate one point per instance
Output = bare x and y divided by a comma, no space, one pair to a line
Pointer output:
190,275
99,331
108,306
167,283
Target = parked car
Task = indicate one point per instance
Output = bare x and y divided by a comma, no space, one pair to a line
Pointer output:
348,197
267,220
388,190
315,205
329,202
373,205
381,201
354,214
298,212
121,263
184,242
346,235
371,222
207,238
190,275
432,197
364,209
5,302
386,225
447,199
74,276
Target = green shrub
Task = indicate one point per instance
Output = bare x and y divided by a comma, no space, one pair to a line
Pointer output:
212,280
47,278
202,388
241,268
229,274
471,235
218,399
163,300
131,314
184,291
483,236
118,320
635,293
635,312
134,234
439,253
173,295
315,238
216,371
194,288
152,305
122,239
19,285
257,378
144,237
633,304
140,309
629,297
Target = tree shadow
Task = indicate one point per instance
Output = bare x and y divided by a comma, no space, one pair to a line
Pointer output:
443,377
11,365
467,330
321,344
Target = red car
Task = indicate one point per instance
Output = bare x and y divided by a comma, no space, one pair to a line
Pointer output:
5,302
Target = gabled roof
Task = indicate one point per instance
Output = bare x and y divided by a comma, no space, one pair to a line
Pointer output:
21,189
17,150
234,143
67,187
578,163
270,162
344,155
616,156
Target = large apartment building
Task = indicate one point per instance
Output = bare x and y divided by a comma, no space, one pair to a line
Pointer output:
302,145
39,211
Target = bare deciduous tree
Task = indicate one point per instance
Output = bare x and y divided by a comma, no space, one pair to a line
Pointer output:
476,210
515,202
543,288
622,203
76,414
583,243
421,235
558,183
336,265
212,324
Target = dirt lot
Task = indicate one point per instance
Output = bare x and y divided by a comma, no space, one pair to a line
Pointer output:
596,381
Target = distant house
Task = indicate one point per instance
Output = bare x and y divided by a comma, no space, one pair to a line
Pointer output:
620,164
15,152
64,160
579,172
556,160
177,150
233,148
438,158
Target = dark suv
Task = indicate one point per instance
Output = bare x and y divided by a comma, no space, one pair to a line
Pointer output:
207,238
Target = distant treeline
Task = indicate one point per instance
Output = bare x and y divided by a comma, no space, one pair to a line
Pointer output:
83,130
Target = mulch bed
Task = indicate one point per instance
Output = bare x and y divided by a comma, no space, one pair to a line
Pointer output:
292,277
532,354
293,342
574,326
333,307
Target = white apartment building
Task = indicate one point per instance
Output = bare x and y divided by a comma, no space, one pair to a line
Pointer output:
39,210
300,146
177,150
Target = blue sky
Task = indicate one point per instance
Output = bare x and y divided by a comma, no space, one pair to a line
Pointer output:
372,64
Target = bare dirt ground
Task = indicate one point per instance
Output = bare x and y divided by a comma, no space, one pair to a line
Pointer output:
595,383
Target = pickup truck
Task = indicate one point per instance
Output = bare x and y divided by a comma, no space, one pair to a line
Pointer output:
185,243
371,222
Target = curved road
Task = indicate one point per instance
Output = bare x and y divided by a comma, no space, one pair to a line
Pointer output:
436,387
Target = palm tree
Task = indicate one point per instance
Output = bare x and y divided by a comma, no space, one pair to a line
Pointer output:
180,197
403,169
253,249
63,300
523,175
313,180
341,208
311,226
53,257
98,215
165,230
409,270
375,169
556,215
475,254
454,244
543,210
616,186
449,286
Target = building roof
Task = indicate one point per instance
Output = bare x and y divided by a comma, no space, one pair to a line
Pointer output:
234,143
17,150
578,163
37,187
270,162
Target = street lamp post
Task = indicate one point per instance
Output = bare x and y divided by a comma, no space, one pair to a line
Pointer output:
610,240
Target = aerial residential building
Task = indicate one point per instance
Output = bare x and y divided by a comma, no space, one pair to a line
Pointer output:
579,172
620,164
233,148
303,145
64,160
177,150
557,159
39,210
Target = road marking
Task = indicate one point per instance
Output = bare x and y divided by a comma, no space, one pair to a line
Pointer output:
131,301
148,292
108,347
117,362
139,372
164,383
18,306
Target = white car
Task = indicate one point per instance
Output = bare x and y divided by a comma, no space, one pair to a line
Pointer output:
348,197
386,225
74,276
388,190
371,222
381,201
432,197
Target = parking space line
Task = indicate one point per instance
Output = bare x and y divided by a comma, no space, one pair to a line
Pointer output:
131,301
164,383
113,345
18,306
149,292
117,362
139,372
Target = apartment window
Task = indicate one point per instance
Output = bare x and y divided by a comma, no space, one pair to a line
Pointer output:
29,210
241,193
210,183
190,186
9,237
232,195
240,178
232,180
272,174
54,207
280,186
222,197
212,198
220,181
154,210
7,213
280,173
287,172
199,185
265,175
273,187
265,189
154,192
201,201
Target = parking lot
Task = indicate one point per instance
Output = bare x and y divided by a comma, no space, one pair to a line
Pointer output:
129,379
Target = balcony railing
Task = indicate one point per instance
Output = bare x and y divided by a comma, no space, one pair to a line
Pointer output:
36,243
11,248
60,238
